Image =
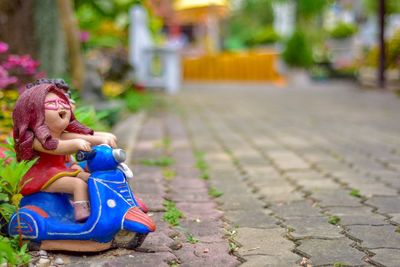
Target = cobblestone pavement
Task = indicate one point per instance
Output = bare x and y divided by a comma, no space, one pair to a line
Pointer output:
309,176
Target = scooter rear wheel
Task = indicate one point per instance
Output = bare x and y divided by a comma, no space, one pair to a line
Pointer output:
136,241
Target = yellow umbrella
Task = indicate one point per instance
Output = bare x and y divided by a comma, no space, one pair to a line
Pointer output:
195,11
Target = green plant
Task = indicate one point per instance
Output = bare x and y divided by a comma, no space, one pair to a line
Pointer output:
136,101
160,162
339,264
392,53
213,192
88,116
297,52
355,193
334,220
191,239
202,165
397,230
172,214
11,253
168,174
343,30
263,36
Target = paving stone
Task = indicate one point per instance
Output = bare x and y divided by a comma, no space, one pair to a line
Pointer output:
386,257
271,261
374,189
204,210
287,160
376,236
395,217
315,227
250,218
269,242
301,208
233,202
328,252
133,259
339,197
205,254
279,193
318,184
204,229
385,204
357,216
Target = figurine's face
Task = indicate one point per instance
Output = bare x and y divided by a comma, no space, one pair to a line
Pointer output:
57,113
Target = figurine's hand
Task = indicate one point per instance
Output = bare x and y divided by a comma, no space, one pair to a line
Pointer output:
82,145
109,140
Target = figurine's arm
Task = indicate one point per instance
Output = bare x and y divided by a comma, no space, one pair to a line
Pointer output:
92,139
64,147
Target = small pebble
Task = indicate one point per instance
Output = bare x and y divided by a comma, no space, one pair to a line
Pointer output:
42,253
58,261
176,245
206,250
43,262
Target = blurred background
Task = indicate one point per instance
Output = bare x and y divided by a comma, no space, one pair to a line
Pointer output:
114,53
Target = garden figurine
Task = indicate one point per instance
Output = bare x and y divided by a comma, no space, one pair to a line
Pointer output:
45,127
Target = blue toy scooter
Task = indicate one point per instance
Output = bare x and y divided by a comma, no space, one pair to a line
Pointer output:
46,219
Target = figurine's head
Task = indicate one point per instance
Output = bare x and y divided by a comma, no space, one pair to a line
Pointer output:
39,111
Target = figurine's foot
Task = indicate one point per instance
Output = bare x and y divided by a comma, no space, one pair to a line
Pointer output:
81,210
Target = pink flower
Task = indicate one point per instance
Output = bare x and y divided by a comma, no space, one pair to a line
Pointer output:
5,79
26,63
84,36
3,47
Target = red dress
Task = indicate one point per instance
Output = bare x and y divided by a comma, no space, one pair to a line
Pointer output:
46,170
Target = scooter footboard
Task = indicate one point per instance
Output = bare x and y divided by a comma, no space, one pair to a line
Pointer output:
137,221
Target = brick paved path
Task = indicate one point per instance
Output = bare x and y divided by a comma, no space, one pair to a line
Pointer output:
309,176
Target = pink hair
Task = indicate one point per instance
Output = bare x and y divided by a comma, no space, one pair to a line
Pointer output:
28,118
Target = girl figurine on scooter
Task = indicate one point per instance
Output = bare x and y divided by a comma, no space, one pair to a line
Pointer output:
45,127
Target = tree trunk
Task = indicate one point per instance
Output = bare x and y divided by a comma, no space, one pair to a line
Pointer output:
71,33
50,39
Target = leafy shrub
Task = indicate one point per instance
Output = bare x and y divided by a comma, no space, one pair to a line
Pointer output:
297,52
88,116
136,101
343,30
11,172
265,36
392,53
11,253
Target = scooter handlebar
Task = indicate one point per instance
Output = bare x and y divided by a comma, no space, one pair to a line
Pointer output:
85,155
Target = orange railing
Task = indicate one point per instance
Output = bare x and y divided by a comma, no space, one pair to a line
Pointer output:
238,66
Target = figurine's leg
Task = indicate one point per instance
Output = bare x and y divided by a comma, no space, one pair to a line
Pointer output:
70,185
78,188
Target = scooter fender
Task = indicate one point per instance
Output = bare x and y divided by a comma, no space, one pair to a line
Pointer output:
29,222
135,220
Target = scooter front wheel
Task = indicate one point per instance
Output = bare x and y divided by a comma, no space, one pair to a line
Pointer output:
136,241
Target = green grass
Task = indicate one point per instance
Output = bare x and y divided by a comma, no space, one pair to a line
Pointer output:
397,230
355,193
172,214
136,101
191,239
168,174
202,165
334,220
213,192
339,264
159,162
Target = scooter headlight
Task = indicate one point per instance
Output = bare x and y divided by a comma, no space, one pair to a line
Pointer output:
119,155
